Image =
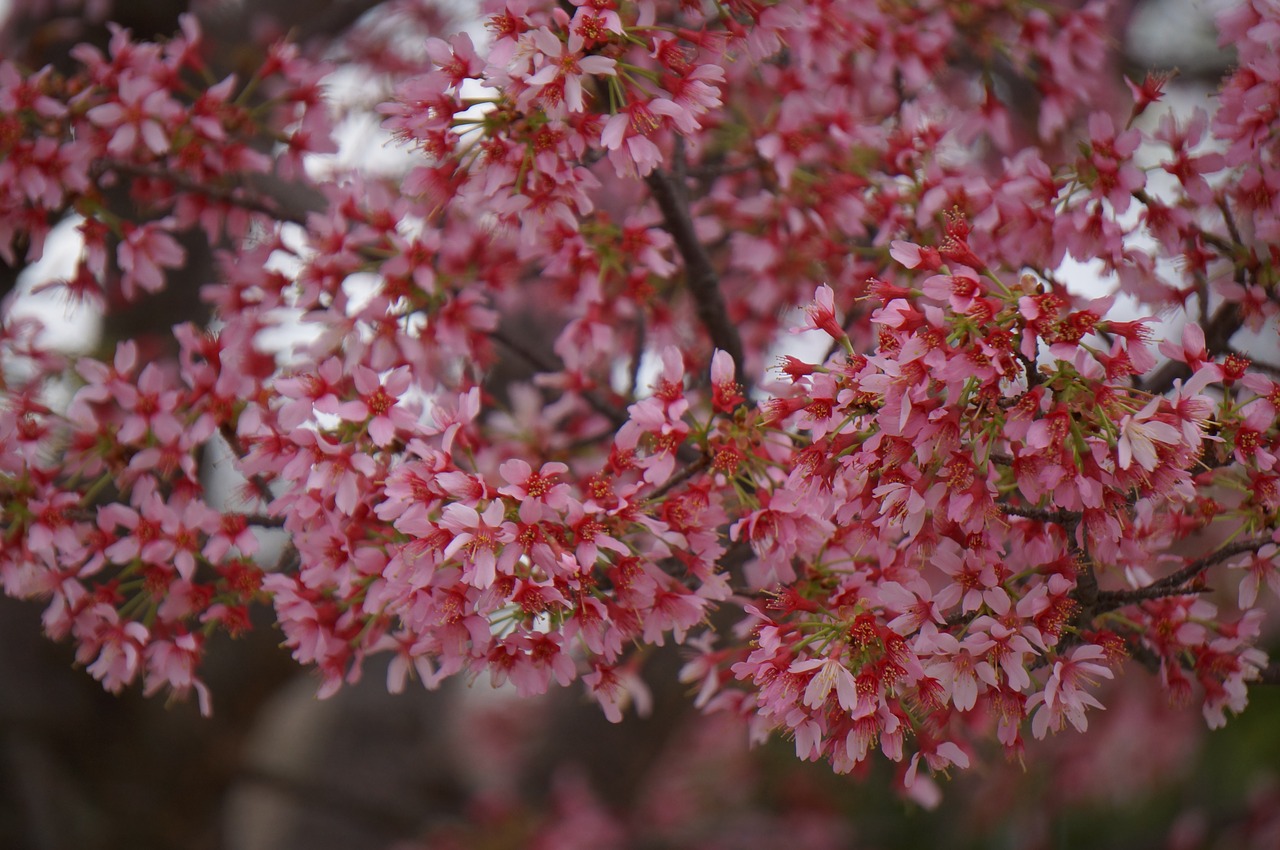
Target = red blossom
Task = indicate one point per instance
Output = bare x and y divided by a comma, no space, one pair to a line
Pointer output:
493,446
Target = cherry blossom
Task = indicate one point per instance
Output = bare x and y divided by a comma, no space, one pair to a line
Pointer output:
553,402
141,114
479,536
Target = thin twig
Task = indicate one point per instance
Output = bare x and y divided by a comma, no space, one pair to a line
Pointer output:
702,462
1193,569
1176,584
1109,600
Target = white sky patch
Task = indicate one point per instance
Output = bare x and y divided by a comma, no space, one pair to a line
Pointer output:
1176,33
69,326
809,346
650,369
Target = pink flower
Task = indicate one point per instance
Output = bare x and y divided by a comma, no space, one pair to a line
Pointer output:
938,756
173,663
450,420
1259,567
615,688
457,58
959,289
144,251
1064,698
151,408
1191,350
480,537
914,610
144,111
913,256
538,487
831,674
594,19
955,665
726,392
560,79
116,649
1139,434
626,136
821,314
378,404
313,390
974,581
332,467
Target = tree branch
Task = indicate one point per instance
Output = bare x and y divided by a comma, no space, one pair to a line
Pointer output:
700,276
233,196
260,485
544,364
1175,583
1058,517
1217,339
1193,569
703,461
261,520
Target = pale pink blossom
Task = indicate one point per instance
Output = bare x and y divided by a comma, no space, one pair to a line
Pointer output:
1065,698
144,112
1139,434
144,252
481,538
831,674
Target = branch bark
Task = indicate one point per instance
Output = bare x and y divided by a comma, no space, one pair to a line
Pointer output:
1175,584
543,363
1217,339
231,196
700,276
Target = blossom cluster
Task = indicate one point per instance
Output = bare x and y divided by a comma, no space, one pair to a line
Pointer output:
984,498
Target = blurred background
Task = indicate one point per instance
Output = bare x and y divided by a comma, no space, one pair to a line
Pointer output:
473,767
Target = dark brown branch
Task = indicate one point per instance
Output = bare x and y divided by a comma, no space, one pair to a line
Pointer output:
679,478
544,364
259,484
961,619
1087,592
1109,600
233,196
1217,338
701,278
1176,584
1059,517
1193,569
262,520
1230,222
